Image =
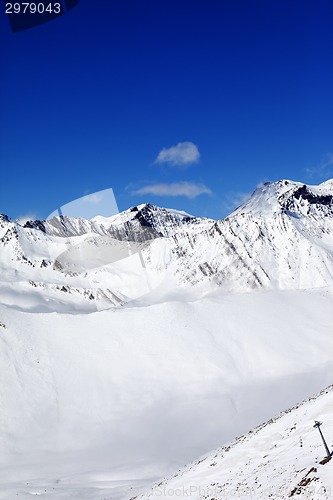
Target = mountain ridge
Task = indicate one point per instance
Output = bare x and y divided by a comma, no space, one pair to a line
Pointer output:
127,353
281,238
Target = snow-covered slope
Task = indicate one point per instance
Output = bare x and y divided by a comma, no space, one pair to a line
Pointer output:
78,265
127,351
282,238
92,405
281,459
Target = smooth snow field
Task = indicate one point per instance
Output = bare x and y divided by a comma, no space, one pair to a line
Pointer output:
99,406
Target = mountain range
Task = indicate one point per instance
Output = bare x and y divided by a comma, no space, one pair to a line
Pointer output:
281,238
132,344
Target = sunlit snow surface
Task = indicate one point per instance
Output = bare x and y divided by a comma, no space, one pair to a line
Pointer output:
119,367
92,404
282,458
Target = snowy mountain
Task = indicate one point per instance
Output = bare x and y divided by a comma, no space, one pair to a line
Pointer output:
132,344
282,238
44,260
282,458
126,225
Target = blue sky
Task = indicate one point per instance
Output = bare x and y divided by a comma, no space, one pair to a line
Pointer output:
186,104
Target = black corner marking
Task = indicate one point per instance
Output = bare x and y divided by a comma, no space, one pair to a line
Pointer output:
48,10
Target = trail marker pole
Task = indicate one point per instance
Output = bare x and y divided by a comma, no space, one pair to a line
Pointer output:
318,424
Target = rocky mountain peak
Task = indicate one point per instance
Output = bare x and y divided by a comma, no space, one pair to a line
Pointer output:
274,198
282,237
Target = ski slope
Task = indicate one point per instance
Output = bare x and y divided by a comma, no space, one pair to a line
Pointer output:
281,459
92,405
132,344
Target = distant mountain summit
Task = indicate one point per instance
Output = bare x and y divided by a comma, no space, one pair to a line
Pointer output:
162,221
294,197
174,359
281,238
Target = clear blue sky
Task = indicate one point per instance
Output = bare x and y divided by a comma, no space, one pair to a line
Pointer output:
96,99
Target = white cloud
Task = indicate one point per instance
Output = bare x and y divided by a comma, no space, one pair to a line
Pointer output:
188,189
324,170
25,218
184,153
234,200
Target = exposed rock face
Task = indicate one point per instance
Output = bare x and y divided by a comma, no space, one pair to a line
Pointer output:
282,237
